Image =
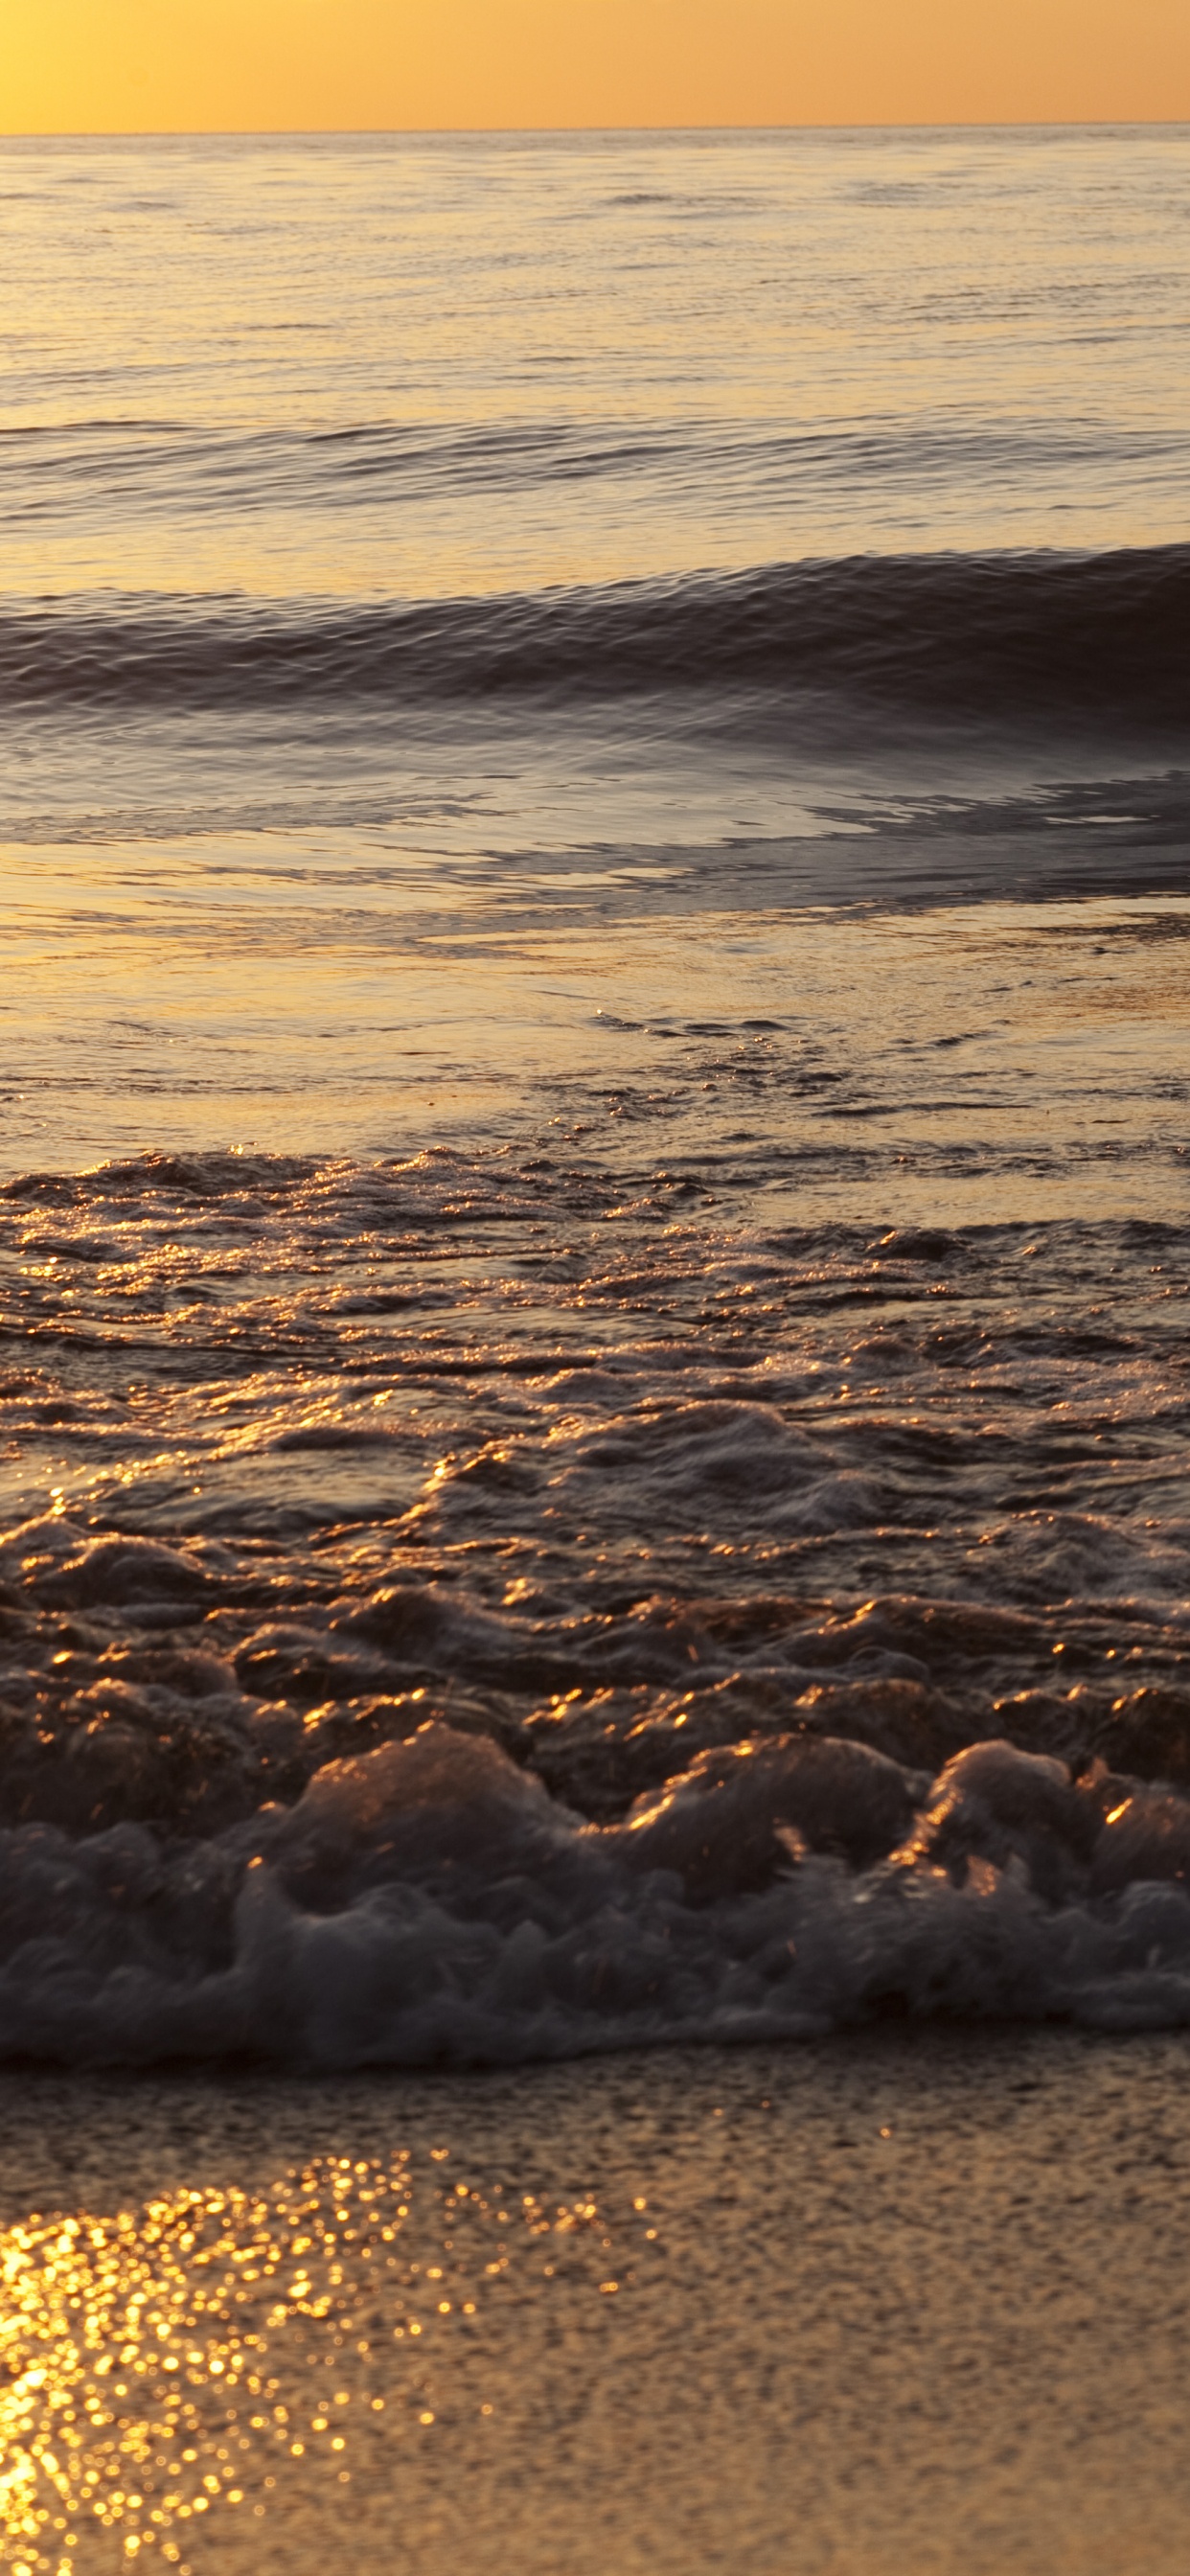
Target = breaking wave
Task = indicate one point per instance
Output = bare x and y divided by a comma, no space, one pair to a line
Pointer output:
483,1613
428,1903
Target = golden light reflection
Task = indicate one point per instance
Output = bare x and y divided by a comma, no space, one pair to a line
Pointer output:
173,2362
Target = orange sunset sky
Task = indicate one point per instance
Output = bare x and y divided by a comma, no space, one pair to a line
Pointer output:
176,65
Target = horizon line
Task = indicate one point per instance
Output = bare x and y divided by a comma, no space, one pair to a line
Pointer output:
815,125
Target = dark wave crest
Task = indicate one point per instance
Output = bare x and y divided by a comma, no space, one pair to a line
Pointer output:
1092,636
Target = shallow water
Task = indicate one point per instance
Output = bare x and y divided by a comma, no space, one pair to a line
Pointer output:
594,1209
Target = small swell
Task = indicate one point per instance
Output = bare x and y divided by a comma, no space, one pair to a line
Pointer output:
990,636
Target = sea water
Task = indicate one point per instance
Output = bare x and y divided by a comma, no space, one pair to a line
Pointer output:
594,1213
593,1227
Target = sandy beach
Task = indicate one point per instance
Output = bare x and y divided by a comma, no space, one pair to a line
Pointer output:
905,2301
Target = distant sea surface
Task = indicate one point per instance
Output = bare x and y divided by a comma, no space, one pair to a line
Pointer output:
595,827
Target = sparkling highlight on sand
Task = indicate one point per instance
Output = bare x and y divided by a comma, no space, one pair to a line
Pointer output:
910,2299
170,2362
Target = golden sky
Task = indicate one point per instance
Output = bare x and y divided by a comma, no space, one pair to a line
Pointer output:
174,65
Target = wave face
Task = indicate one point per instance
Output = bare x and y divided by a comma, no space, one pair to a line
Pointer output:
991,637
457,1641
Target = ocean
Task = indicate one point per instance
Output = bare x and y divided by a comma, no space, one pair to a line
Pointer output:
595,829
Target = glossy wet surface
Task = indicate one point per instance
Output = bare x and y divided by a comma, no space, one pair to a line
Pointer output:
871,2305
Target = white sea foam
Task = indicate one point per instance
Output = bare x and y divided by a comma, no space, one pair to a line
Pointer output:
676,1680
429,1904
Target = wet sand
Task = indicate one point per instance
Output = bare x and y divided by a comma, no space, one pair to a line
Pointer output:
905,2302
